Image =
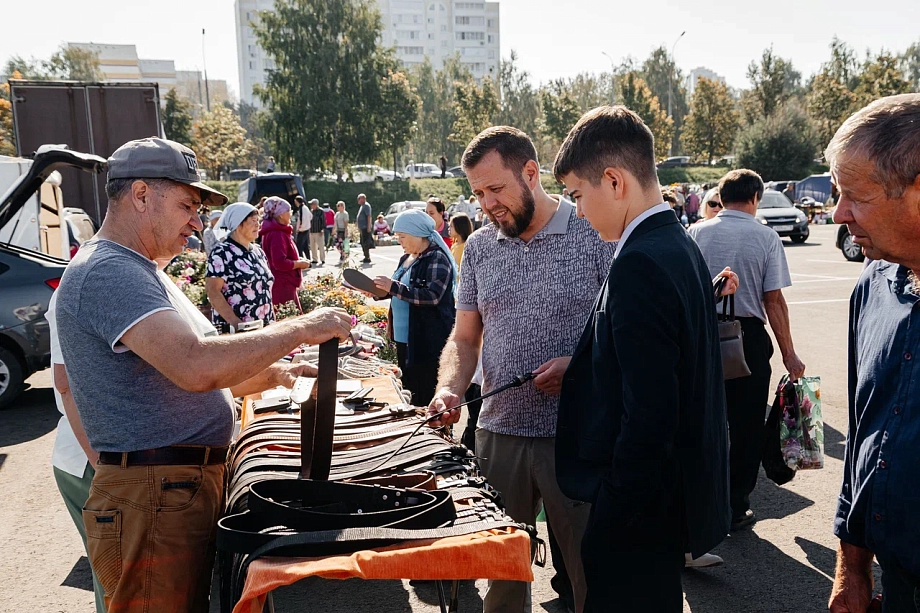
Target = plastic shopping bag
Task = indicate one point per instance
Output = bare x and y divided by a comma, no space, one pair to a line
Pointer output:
801,428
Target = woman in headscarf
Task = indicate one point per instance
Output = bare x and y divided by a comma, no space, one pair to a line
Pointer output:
422,309
238,280
278,244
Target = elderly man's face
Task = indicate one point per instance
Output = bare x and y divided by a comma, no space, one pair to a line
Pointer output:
886,228
169,215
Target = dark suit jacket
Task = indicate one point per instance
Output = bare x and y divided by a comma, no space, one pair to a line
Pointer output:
642,417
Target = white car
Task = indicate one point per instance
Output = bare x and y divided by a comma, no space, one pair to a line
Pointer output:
398,207
371,172
426,171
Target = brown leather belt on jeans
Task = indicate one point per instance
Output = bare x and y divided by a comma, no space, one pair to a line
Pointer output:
176,456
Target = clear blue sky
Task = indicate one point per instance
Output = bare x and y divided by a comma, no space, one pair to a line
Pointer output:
553,38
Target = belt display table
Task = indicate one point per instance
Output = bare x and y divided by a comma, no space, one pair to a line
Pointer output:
386,498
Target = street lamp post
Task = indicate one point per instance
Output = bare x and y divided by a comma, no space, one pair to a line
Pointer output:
613,88
670,78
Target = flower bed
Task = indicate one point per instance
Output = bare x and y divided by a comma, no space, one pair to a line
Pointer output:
187,270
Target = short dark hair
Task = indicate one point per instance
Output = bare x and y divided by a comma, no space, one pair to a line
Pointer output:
608,137
438,204
116,189
462,225
513,146
741,185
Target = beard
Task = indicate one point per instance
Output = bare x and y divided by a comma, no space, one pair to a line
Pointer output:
520,219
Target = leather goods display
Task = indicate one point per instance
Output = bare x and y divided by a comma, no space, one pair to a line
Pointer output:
321,483
361,281
734,366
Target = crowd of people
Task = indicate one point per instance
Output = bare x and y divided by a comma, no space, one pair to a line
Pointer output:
641,455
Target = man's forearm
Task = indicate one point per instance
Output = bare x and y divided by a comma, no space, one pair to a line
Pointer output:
778,315
854,559
458,365
255,385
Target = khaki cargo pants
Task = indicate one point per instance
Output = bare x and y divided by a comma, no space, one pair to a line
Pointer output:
150,534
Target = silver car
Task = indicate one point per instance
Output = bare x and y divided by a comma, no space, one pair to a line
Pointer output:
398,207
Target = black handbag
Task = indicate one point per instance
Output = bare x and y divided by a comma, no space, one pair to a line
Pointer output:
731,343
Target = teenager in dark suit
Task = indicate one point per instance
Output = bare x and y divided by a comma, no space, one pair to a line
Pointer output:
642,425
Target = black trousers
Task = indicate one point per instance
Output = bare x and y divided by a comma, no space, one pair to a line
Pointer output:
303,244
420,379
366,240
747,399
900,591
634,563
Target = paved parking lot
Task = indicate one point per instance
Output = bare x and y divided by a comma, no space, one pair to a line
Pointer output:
784,564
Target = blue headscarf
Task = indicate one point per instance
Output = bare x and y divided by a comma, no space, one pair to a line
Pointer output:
418,223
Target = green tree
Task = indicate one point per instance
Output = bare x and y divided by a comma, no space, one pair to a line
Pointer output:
220,141
636,95
7,138
773,81
437,116
881,76
560,110
177,118
781,146
398,110
843,66
67,63
588,90
474,106
910,65
830,102
323,94
520,101
711,125
658,70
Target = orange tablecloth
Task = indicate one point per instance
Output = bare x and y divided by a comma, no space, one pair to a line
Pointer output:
497,554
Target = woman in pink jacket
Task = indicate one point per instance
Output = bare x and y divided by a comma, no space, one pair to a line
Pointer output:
281,252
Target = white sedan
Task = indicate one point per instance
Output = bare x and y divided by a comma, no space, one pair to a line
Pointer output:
371,172
426,171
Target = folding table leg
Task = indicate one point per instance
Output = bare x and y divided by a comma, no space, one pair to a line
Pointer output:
454,596
442,597
269,604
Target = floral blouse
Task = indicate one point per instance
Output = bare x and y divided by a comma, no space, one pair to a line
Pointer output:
247,281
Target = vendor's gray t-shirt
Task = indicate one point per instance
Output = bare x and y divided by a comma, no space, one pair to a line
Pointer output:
364,215
125,404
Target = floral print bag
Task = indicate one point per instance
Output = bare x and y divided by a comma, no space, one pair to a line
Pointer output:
801,426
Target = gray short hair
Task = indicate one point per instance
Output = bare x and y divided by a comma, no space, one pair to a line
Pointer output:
886,133
116,189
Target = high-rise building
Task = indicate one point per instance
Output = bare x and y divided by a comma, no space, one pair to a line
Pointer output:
698,72
436,29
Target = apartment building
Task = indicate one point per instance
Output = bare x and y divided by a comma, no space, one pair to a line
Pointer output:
436,29
703,72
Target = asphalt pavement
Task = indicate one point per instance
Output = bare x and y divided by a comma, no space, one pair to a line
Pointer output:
785,563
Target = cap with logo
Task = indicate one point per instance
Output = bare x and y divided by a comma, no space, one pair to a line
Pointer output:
158,158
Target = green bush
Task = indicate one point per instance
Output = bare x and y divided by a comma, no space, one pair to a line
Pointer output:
780,147
691,174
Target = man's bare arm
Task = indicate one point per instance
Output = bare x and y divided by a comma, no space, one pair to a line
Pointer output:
166,342
778,313
62,384
458,365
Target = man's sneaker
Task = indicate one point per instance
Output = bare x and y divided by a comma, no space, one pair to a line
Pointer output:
314,262
704,561
367,261
743,521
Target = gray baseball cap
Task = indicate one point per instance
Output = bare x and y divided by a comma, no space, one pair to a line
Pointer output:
158,158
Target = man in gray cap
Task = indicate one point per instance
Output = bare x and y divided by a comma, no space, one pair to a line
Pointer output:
155,396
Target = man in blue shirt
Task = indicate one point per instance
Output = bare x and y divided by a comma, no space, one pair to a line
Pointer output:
875,165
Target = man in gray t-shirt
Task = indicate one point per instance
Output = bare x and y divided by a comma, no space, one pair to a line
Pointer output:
154,395
364,223
755,252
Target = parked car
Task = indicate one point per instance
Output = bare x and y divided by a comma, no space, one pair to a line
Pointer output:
675,162
457,171
80,228
776,212
398,207
283,184
371,172
851,251
241,174
426,171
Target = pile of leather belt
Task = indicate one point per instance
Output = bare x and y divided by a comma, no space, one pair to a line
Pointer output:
318,484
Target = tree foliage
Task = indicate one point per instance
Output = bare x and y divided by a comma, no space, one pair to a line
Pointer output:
7,138
474,107
830,102
67,63
560,110
520,100
711,126
636,95
220,142
781,146
881,76
910,65
399,104
658,70
436,118
773,81
323,94
177,118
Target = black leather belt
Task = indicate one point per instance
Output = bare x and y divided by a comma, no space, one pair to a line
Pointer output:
167,456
